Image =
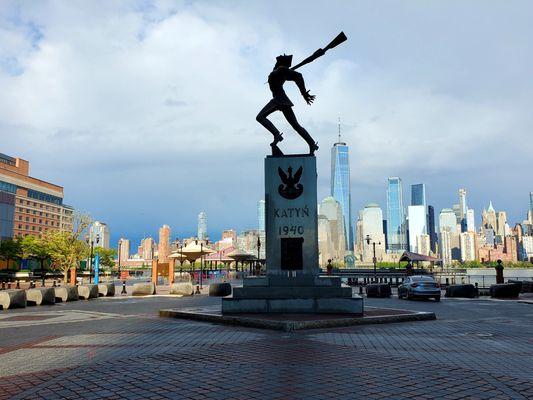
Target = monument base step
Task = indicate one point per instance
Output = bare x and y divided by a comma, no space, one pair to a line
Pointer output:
339,305
288,292
298,280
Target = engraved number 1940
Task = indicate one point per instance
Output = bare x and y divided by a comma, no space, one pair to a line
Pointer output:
291,230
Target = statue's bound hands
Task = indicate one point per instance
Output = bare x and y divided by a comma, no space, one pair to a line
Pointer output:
309,98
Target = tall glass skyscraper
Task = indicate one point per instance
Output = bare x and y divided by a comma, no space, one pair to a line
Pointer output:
418,194
261,215
202,225
340,187
463,209
396,235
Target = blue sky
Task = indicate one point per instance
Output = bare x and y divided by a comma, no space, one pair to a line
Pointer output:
145,111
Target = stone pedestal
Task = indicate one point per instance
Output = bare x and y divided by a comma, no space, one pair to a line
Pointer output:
292,284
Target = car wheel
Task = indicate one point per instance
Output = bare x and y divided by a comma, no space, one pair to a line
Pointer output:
437,298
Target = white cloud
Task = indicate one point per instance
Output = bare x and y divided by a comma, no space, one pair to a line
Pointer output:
145,112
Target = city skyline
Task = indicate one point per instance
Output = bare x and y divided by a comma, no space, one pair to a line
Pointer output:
418,100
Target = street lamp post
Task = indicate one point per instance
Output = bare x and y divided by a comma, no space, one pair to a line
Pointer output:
91,242
119,247
119,270
374,260
258,252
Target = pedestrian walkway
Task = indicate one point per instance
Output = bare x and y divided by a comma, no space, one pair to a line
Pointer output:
476,349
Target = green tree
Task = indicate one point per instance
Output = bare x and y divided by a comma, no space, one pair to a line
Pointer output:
107,257
35,247
65,247
11,250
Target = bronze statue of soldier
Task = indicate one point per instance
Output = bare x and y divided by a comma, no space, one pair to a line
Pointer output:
282,73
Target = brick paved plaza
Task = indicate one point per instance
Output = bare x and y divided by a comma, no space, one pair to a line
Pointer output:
119,348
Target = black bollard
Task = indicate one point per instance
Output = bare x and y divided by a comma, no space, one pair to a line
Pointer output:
360,290
18,284
9,285
197,290
54,284
124,287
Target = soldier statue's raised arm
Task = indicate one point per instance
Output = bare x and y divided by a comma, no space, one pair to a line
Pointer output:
282,73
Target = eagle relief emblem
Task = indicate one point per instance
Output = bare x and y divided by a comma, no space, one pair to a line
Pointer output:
290,188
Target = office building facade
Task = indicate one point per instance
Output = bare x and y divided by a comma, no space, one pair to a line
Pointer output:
417,219
29,206
261,215
418,194
202,226
396,227
99,232
340,187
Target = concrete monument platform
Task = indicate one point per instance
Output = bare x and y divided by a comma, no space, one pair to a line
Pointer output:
292,284
296,321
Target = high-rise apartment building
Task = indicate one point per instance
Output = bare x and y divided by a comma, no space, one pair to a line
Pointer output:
445,242
501,222
163,247
448,220
468,246
396,229
340,187
418,194
123,249
417,219
332,211
431,229
530,213
372,227
423,245
99,230
29,206
463,209
470,220
261,215
202,226
489,218
147,248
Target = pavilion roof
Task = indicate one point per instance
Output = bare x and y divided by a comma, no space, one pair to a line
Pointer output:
408,256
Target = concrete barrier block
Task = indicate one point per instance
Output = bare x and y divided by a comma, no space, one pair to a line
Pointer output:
182,277
143,289
42,295
87,292
106,289
466,291
182,288
220,289
525,286
66,293
378,290
12,298
505,290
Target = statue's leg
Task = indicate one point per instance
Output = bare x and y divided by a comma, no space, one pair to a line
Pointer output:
291,119
263,120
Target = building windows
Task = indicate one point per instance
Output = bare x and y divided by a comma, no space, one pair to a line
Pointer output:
35,194
27,227
8,187
27,219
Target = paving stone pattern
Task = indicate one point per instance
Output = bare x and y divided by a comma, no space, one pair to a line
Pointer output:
137,356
